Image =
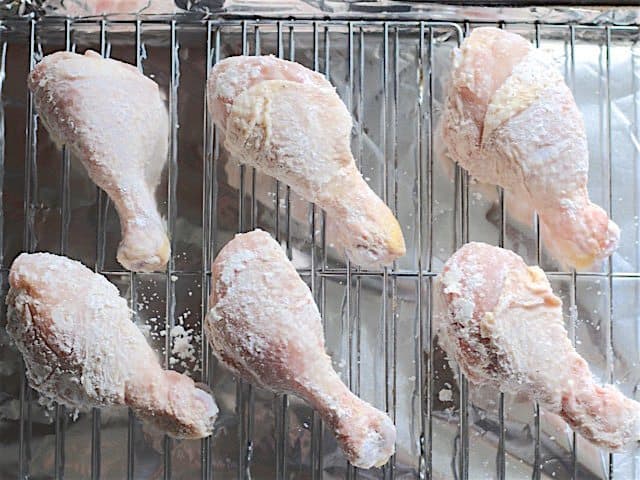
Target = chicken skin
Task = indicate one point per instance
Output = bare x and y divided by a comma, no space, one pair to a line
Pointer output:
502,324
264,325
288,122
114,120
511,120
81,348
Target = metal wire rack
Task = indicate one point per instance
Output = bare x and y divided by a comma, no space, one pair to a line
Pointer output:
378,324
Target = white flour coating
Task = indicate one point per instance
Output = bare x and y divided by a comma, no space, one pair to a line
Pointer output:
445,395
264,325
527,84
263,133
182,343
510,120
115,122
81,348
514,340
288,122
234,75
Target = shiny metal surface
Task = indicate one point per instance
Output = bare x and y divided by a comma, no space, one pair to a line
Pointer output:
392,76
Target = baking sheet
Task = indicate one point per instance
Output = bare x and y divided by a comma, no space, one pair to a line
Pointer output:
392,77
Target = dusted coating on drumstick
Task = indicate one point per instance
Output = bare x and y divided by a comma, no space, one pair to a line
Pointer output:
234,75
264,325
115,122
81,348
288,122
511,120
502,324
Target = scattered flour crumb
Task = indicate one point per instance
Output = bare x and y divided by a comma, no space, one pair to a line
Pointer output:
182,347
47,402
445,395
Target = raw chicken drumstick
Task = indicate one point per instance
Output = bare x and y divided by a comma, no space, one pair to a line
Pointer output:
114,120
81,348
503,325
511,120
288,122
264,325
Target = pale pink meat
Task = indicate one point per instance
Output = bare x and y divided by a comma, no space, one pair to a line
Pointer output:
511,120
82,349
502,324
289,123
115,122
264,325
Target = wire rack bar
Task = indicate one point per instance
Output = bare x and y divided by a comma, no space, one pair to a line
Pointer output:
393,320
357,340
172,216
426,333
339,272
103,209
208,189
30,196
347,326
537,461
461,225
356,40
281,402
245,392
608,182
336,20
65,219
3,74
133,286
316,422
501,454
573,298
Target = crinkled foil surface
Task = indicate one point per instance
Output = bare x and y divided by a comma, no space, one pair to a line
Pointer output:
391,71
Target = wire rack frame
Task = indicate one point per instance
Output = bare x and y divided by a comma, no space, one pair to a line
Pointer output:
320,270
